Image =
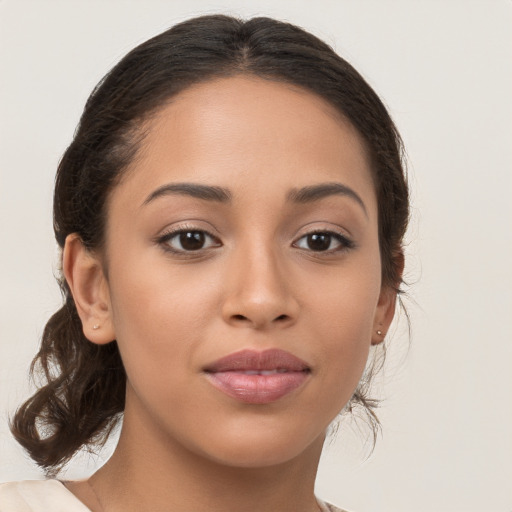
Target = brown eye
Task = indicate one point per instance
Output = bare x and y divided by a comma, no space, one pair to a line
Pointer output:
188,240
192,240
324,242
318,241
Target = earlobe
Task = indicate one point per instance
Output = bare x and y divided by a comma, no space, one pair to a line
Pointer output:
86,280
384,315
387,303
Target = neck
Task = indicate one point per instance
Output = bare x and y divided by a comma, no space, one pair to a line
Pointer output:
150,471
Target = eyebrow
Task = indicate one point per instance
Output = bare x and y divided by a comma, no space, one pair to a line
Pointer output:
302,195
205,192
323,190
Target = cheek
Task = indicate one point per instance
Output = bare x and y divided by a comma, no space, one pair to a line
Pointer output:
153,295
346,301
158,315
344,314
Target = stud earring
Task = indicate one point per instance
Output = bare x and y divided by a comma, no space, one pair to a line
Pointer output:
96,326
379,333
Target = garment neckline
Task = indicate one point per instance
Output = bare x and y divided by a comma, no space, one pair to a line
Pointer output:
324,506
70,494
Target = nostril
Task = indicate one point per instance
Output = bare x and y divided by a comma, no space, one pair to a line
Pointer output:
259,319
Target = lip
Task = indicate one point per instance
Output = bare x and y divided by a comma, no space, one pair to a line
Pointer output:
258,377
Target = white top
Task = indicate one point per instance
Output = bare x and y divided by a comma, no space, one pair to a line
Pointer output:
38,496
53,496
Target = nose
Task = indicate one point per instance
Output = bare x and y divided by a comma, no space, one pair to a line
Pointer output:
258,291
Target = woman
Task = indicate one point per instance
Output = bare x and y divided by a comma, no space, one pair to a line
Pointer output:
231,214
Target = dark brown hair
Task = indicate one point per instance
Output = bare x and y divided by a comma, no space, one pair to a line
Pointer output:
83,397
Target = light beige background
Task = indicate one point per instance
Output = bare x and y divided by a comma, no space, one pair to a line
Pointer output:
444,68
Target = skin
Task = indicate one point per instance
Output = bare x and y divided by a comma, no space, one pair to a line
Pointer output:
256,284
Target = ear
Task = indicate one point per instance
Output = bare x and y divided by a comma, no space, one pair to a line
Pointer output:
386,305
85,277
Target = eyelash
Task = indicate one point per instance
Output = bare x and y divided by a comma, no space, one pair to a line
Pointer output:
165,238
345,243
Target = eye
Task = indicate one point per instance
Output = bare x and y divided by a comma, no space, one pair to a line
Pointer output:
188,240
324,241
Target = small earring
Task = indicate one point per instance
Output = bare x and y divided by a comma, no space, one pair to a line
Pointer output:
379,333
96,326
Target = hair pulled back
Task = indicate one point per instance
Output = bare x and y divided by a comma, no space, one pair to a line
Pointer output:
83,397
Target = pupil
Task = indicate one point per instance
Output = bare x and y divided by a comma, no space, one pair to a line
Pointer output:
192,240
319,242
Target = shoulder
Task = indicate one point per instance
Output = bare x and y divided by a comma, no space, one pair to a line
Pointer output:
38,496
325,507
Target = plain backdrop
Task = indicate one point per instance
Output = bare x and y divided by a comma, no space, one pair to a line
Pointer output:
444,68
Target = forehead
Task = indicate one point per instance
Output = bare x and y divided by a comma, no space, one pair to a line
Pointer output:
243,130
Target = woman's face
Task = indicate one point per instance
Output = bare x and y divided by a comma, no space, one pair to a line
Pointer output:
243,271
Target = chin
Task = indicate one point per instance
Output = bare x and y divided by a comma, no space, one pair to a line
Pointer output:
263,449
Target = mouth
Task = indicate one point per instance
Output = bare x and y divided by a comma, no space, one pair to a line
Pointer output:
258,377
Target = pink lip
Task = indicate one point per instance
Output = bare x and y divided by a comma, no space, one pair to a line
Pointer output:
258,377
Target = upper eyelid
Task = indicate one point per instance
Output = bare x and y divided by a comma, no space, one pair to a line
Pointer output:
325,230
182,229
325,225
344,233
171,233
190,225
346,239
